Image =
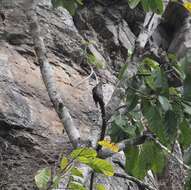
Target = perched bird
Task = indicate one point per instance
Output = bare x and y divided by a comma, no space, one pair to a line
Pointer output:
97,93
2,15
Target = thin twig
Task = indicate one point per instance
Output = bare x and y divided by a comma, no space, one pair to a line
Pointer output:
137,181
171,154
83,80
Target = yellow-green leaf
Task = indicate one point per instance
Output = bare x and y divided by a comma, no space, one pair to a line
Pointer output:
84,152
102,166
187,5
63,163
42,178
100,187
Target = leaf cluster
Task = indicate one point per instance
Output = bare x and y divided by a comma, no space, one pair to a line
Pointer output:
48,179
155,106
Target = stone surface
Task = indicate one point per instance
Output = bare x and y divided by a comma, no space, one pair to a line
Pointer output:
31,135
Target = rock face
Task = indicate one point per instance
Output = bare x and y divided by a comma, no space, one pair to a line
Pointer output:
31,134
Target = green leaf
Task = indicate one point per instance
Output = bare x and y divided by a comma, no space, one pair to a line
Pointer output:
94,61
83,159
186,64
42,178
133,3
145,4
156,6
83,152
153,5
164,103
76,172
155,120
148,157
171,125
100,187
76,186
151,63
185,134
187,87
63,163
133,103
131,154
116,131
101,166
70,5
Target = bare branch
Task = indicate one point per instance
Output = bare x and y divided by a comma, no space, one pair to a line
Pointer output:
171,154
83,80
137,181
47,74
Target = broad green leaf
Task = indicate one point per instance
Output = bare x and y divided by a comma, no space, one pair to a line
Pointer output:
100,187
185,134
121,129
76,186
171,125
83,159
83,152
42,178
63,163
153,5
116,131
164,103
155,120
148,157
101,166
133,3
133,103
131,154
156,6
146,5
186,62
76,172
187,86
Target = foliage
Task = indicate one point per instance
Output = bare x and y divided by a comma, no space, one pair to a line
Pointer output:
70,5
90,58
187,5
161,109
154,5
48,179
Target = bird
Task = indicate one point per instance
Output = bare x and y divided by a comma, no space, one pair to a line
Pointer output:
97,93
2,15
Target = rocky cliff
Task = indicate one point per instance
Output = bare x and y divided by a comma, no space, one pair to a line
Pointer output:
31,134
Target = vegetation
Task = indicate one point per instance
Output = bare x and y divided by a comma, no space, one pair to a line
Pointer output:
67,167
